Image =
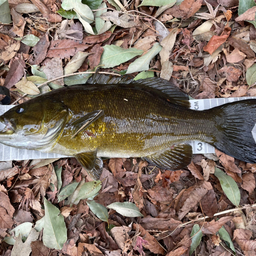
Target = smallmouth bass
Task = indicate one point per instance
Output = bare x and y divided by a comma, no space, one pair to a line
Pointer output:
118,117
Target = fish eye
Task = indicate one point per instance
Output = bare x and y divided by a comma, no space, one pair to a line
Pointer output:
20,110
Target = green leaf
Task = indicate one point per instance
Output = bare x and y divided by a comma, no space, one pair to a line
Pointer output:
114,55
196,235
67,14
58,172
99,210
85,190
55,231
126,209
142,63
229,187
67,191
39,225
68,5
35,71
30,40
143,75
157,2
77,79
251,75
5,15
36,79
224,235
23,230
100,24
112,2
93,4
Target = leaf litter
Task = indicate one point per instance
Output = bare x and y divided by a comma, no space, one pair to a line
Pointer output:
208,49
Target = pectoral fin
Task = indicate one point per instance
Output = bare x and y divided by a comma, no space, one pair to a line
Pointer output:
91,163
83,122
177,157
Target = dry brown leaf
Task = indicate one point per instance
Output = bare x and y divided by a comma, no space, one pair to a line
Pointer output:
94,58
91,248
53,68
128,179
38,248
231,73
10,51
227,161
6,220
138,193
15,73
207,87
120,234
217,41
65,48
242,237
209,203
240,92
195,171
191,201
242,46
161,194
211,228
97,38
235,56
152,244
208,168
18,23
8,173
248,182
178,252
151,223
186,9
40,50
115,165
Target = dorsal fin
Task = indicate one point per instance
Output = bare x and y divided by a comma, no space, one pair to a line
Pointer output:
109,79
158,86
173,93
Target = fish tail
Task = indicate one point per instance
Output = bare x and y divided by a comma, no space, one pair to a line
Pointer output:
236,129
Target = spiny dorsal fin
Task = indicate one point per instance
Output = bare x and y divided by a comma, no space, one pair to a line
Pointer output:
159,86
179,156
109,79
173,93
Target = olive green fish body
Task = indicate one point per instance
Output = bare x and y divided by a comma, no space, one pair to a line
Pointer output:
148,118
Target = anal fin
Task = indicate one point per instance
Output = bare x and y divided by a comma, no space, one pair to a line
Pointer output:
177,157
91,163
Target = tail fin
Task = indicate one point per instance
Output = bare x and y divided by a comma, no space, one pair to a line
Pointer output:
236,123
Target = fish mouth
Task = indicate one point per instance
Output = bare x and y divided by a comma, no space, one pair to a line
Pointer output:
6,127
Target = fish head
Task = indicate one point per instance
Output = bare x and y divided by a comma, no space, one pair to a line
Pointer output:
35,124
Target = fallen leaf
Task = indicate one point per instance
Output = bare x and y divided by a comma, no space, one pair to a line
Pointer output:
247,15
211,228
15,73
152,244
217,41
248,182
195,171
40,50
242,237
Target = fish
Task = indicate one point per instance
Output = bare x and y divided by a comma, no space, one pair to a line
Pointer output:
118,117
